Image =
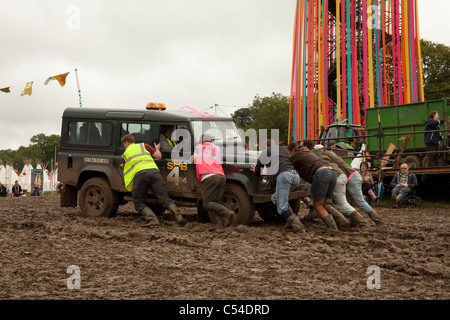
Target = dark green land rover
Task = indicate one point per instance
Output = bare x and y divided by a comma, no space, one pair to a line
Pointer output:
90,157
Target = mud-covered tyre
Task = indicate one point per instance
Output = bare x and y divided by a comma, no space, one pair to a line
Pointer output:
97,199
236,198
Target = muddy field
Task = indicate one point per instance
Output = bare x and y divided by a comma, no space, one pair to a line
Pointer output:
117,258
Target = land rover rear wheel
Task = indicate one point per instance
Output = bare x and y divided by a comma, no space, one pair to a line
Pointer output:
97,199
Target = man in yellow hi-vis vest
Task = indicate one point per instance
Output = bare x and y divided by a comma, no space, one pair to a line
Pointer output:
165,138
141,173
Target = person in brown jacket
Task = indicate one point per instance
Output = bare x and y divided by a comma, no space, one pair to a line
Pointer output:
321,176
352,183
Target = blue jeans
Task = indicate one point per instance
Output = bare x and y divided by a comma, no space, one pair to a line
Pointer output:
354,188
323,184
401,190
286,181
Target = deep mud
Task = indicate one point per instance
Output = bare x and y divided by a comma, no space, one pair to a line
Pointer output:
120,259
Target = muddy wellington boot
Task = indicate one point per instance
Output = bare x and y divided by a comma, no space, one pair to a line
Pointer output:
375,218
224,217
330,223
178,216
399,199
394,204
373,196
341,221
150,217
357,220
294,222
312,214
230,219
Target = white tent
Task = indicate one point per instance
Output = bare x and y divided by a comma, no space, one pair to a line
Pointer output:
3,175
25,177
10,177
47,181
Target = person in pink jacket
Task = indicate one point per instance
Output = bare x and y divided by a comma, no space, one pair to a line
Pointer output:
208,162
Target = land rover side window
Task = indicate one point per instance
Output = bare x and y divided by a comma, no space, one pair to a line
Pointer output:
90,133
164,127
140,131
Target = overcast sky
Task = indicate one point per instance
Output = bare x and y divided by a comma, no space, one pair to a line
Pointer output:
194,53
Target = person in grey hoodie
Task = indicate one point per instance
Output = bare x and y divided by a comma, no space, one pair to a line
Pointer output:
402,184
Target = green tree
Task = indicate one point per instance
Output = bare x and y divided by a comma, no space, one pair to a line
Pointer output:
41,148
47,145
266,113
436,69
244,117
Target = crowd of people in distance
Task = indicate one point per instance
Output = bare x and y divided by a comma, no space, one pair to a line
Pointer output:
17,190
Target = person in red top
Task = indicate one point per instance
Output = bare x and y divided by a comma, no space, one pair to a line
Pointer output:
208,162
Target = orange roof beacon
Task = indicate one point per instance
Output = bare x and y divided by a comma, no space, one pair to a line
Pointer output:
155,106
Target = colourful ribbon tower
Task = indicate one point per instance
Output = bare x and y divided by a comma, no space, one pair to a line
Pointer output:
350,55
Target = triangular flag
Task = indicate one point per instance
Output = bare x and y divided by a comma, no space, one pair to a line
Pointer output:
27,89
5,90
61,79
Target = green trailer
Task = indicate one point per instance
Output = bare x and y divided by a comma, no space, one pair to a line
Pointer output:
397,122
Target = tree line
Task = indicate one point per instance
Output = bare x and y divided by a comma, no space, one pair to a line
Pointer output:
41,150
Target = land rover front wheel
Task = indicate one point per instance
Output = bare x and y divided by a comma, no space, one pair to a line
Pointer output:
97,199
236,198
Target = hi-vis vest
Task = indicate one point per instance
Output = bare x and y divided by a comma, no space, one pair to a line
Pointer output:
136,158
172,144
208,160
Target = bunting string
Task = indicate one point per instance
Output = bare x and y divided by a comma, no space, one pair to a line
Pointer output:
28,89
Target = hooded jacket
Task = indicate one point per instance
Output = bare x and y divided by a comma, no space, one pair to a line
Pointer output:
433,137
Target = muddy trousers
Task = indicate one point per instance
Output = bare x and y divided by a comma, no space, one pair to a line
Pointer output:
145,180
354,188
213,188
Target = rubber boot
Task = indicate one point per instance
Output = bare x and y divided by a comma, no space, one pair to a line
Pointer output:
150,217
178,216
372,194
225,218
294,222
341,221
312,214
230,219
330,223
399,198
357,220
375,218
394,204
